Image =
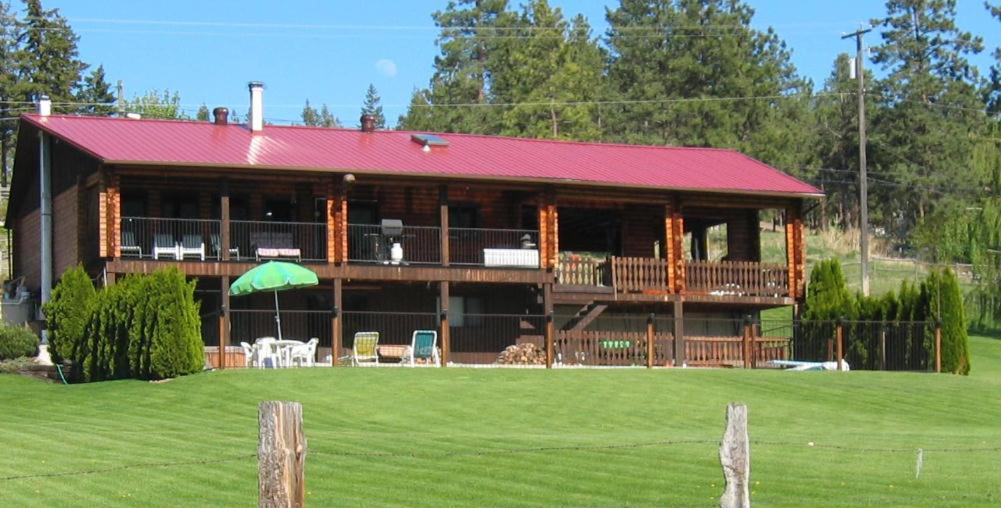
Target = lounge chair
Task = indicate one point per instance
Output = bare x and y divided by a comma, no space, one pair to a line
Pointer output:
129,244
234,252
365,349
164,244
305,355
192,245
423,346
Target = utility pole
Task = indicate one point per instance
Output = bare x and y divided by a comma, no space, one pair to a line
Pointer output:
863,183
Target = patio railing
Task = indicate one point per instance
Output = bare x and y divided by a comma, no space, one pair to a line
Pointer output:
257,240
494,247
174,239
420,244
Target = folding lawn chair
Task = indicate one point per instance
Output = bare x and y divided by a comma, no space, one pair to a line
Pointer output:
423,346
365,349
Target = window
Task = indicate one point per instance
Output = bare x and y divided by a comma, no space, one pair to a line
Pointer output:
463,216
278,210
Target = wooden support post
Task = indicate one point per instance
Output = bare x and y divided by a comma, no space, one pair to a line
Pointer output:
679,334
102,216
114,196
337,322
748,362
547,302
444,328
443,222
650,334
223,321
337,221
840,345
882,347
735,457
938,346
281,455
669,248
224,238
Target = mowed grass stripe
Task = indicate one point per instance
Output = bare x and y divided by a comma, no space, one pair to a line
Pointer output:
459,437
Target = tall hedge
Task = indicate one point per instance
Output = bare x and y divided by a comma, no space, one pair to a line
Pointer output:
945,299
145,327
938,296
68,311
827,296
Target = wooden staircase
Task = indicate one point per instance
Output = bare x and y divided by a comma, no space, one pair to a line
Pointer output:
585,316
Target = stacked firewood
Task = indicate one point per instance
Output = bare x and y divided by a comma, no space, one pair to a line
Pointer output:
522,354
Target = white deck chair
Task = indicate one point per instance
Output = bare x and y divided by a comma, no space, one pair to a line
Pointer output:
249,355
305,355
266,351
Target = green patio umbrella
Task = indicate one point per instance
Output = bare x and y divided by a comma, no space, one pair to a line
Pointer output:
273,276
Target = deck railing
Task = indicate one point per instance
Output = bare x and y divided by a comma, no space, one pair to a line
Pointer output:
736,278
420,244
258,240
639,275
729,351
493,247
609,348
575,271
173,239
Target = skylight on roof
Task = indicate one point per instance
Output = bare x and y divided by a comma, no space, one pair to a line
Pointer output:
429,140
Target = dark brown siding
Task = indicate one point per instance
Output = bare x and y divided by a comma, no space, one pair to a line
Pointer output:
27,256
65,231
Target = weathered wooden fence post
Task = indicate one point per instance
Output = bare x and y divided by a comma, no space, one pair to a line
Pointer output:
735,457
938,346
281,455
650,333
840,344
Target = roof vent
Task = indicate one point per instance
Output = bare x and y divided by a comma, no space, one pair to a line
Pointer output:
368,123
221,115
428,141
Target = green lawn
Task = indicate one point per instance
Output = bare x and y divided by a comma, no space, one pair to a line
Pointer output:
465,437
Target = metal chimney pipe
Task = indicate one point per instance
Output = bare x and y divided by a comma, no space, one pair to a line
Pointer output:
367,123
221,116
256,120
44,105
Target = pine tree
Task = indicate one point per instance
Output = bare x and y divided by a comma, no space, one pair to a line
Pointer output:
322,118
95,94
9,30
327,119
993,90
547,74
671,58
373,106
47,59
923,138
202,115
156,104
309,115
461,79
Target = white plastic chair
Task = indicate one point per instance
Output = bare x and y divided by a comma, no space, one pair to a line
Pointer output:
266,351
249,355
305,355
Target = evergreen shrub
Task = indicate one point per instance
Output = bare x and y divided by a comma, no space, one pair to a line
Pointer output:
16,342
68,311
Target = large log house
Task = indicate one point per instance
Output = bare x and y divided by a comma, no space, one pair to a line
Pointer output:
491,240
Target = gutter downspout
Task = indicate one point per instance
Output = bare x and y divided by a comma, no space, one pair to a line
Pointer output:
45,186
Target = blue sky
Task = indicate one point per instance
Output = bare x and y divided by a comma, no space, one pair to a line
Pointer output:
329,51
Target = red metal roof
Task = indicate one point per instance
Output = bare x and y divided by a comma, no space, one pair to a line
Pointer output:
187,143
